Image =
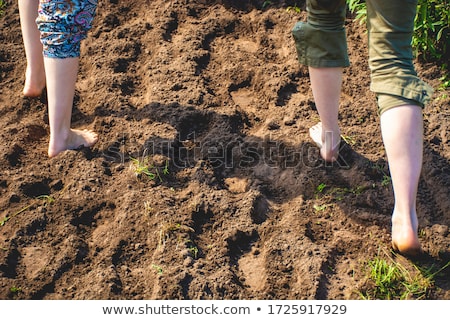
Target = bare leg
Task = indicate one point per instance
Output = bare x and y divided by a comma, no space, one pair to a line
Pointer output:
61,79
402,131
35,74
326,86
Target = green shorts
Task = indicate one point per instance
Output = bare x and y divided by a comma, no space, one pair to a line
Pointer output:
321,43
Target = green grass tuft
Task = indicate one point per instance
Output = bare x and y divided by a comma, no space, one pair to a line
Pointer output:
390,280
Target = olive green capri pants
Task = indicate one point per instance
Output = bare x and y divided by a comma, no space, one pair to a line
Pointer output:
321,43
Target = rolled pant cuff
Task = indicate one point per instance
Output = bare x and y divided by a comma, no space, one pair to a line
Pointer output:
320,48
399,90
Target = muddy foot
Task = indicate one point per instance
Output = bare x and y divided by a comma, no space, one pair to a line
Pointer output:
75,140
329,150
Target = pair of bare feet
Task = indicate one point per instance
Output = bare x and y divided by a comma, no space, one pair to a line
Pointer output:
70,139
404,225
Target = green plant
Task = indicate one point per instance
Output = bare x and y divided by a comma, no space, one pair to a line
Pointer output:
359,9
145,167
294,8
431,29
350,140
2,7
192,248
339,193
266,4
445,82
319,190
320,187
158,269
386,179
171,227
15,290
142,167
336,193
387,279
166,168
9,217
431,26
390,280
321,207
148,209
47,200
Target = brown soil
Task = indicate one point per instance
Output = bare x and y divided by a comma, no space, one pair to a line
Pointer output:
211,95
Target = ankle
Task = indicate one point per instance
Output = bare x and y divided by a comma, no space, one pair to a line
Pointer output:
405,214
331,138
34,81
60,136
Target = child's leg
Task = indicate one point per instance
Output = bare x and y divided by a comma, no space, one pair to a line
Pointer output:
63,25
61,78
321,45
401,94
35,74
402,132
326,87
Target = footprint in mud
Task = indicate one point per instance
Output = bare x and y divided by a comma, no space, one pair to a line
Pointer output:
239,243
34,133
170,26
27,135
202,61
70,252
13,155
285,93
237,184
88,216
35,260
240,92
8,267
253,266
258,206
243,97
193,124
35,189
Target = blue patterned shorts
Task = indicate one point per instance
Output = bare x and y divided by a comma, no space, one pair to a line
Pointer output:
63,24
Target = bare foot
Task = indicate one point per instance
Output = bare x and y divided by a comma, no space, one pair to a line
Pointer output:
404,234
329,150
75,139
34,83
